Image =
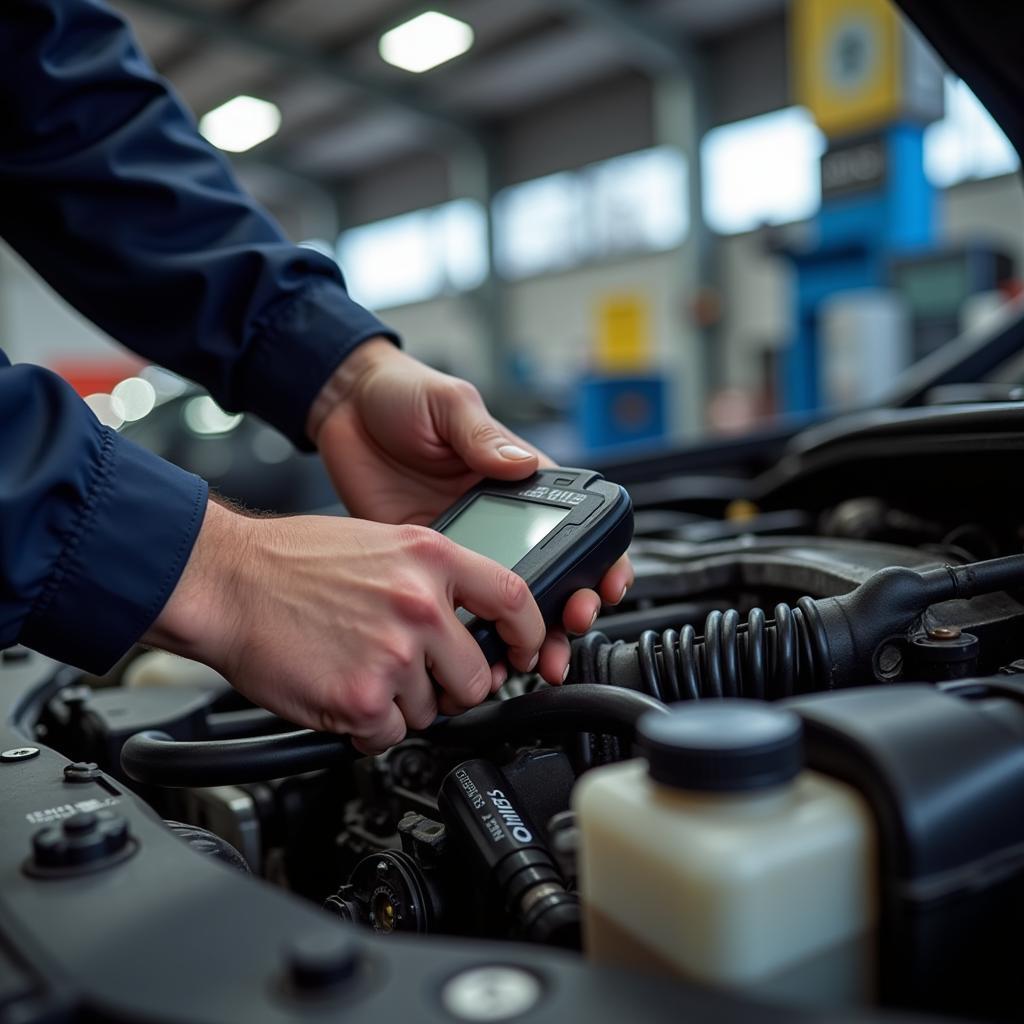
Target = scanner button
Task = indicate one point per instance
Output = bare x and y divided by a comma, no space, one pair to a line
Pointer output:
566,532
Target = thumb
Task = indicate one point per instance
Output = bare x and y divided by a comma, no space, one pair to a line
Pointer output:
483,443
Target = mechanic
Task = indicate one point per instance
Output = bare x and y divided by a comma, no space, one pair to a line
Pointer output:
337,624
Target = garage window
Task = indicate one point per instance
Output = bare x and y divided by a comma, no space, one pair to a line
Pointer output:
762,170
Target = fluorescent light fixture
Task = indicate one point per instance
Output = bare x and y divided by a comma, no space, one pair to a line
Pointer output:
424,42
240,123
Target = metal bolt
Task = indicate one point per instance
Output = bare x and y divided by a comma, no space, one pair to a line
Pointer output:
944,633
84,842
491,993
19,754
322,960
76,697
890,661
382,868
81,771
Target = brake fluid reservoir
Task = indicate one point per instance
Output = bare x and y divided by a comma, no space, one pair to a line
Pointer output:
720,858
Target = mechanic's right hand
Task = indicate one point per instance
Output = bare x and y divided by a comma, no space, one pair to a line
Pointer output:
339,624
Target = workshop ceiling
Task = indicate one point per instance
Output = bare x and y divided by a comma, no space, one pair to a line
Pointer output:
344,110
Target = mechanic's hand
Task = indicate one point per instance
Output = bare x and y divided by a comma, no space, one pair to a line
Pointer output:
402,442
335,623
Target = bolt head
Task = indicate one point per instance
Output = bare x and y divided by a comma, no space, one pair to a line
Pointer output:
321,960
19,754
75,697
943,633
491,993
889,661
81,771
82,842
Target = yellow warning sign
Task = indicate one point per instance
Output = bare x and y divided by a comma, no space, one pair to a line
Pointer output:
624,333
847,57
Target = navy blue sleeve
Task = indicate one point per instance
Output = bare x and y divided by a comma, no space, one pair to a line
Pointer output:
94,531
107,189
109,192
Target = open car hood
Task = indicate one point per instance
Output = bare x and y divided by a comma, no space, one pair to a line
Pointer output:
983,42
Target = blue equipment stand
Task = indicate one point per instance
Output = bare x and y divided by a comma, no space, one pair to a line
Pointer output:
858,233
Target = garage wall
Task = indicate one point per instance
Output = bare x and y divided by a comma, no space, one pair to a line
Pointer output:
445,333
991,210
553,321
601,121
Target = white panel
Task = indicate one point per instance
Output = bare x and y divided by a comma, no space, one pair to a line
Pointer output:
541,225
416,256
639,202
37,326
632,203
763,170
967,143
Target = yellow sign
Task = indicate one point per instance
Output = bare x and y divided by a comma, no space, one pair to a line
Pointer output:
847,60
624,333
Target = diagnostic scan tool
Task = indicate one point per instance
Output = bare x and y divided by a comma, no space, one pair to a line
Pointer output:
560,529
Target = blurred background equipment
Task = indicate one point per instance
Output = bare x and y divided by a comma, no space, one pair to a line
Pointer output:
630,224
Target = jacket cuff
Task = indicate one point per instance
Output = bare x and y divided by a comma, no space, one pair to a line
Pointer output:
122,560
300,342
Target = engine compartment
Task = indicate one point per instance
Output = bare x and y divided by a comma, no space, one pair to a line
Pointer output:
870,578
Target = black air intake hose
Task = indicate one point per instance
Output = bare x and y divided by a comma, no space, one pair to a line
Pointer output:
822,644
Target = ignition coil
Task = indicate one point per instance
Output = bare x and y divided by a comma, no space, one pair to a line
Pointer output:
481,812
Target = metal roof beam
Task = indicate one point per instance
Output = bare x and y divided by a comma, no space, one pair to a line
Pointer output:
657,47
234,29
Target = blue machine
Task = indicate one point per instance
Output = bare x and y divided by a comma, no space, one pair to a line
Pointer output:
614,411
877,205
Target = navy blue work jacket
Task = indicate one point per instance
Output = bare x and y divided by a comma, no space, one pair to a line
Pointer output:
107,189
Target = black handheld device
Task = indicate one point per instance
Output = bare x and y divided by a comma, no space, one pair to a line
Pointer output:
560,529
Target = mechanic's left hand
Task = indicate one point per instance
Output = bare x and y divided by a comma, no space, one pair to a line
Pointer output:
401,442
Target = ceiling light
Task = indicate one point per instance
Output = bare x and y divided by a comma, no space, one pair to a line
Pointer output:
137,397
204,416
107,409
240,123
426,41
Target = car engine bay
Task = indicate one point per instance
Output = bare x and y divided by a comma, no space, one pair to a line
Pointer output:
866,574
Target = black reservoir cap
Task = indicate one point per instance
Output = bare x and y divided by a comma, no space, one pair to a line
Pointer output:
722,746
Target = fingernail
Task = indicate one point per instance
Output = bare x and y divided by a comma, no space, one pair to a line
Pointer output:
622,594
513,451
565,674
593,618
533,662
